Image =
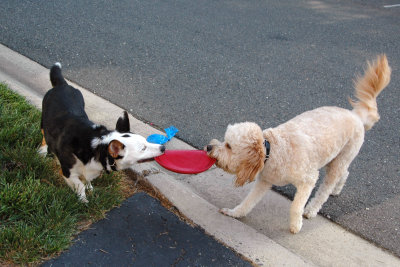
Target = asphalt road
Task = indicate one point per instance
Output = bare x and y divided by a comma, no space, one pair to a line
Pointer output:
143,233
200,65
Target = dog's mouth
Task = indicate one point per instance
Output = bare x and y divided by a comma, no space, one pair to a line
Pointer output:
212,154
145,160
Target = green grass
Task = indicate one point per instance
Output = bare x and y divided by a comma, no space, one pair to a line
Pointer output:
39,213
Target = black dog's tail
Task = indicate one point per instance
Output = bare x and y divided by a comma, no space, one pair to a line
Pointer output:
56,77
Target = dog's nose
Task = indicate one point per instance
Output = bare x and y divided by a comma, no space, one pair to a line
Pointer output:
162,149
209,148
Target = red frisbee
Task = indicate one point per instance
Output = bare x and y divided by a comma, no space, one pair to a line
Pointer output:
185,161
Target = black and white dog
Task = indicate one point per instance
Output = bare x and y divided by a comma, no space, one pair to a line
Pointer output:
82,147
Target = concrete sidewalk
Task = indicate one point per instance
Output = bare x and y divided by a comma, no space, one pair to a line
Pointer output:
263,236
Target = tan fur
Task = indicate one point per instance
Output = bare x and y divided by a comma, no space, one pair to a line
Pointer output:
252,164
43,140
375,79
326,136
43,146
114,148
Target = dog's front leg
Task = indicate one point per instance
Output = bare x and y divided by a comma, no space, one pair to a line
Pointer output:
42,150
296,210
89,186
77,186
257,192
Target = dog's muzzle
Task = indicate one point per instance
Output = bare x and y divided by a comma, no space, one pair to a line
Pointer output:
209,148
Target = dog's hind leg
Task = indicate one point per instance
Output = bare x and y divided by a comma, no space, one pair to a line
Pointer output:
351,152
257,192
339,185
336,175
334,171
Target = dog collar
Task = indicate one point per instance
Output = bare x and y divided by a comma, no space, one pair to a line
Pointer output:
267,149
112,163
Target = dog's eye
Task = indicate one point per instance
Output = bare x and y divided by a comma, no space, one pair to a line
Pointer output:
228,146
144,148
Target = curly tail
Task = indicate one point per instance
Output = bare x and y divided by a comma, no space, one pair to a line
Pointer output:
368,87
56,76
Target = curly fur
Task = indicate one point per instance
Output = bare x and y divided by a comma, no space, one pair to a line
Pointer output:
326,136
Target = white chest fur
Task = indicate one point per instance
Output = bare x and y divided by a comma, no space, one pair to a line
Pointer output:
89,171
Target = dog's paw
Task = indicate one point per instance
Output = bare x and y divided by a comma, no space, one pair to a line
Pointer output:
89,186
337,191
229,212
42,151
308,214
83,200
296,227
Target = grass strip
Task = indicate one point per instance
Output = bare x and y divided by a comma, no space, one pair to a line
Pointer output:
39,213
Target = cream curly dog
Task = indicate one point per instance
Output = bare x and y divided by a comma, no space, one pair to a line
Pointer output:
293,152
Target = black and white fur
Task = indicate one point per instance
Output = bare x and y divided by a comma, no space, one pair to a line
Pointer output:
82,147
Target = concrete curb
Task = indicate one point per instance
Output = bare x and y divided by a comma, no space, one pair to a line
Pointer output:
233,233
194,195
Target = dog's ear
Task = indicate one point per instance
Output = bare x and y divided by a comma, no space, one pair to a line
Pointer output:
123,124
114,147
248,171
251,165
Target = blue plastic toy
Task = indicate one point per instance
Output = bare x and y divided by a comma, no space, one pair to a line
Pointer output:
162,139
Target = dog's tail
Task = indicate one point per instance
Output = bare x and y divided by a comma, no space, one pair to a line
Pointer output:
56,77
368,87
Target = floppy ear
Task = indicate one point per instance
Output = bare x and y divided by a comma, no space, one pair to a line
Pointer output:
123,124
251,165
248,171
114,147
